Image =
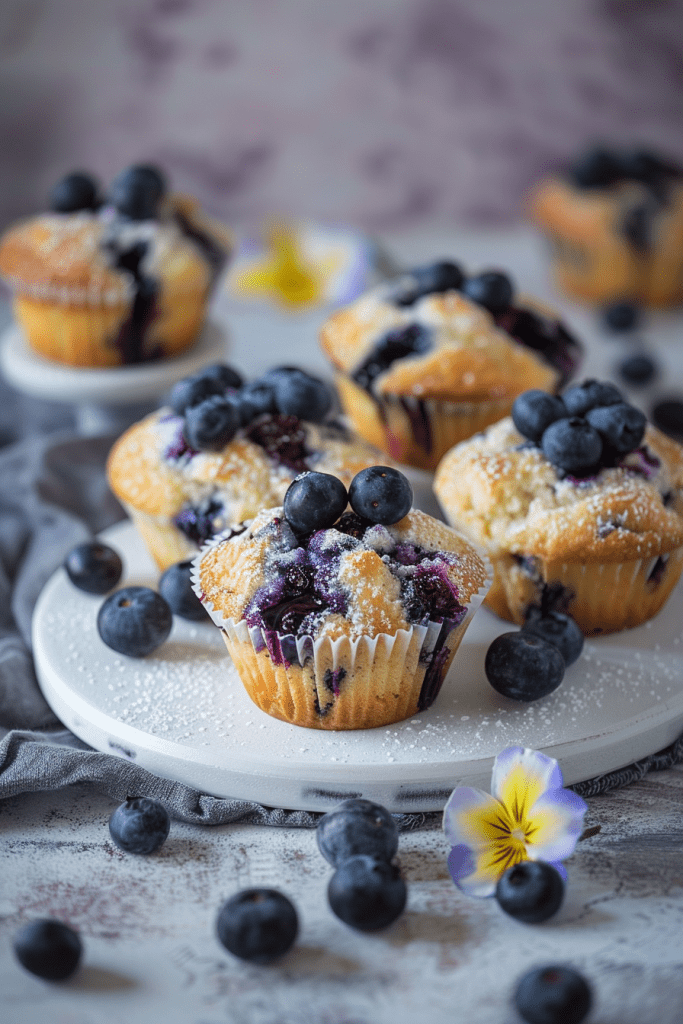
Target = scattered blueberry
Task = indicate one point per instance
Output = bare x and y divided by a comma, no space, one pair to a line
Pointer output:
224,375
134,621
638,370
299,394
523,666
493,290
48,948
140,825
76,191
596,168
175,586
553,995
531,891
621,316
95,567
621,426
192,390
137,192
381,494
357,827
572,445
258,925
367,893
435,278
314,501
210,425
668,416
558,629
592,393
534,411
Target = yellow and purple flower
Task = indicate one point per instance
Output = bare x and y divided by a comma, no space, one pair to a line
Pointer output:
528,816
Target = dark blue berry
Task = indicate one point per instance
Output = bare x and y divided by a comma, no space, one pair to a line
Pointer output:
572,445
367,893
523,667
597,168
48,948
95,568
175,586
226,376
381,494
76,191
558,629
668,416
140,825
435,278
259,396
621,426
355,827
493,290
134,621
531,891
553,995
210,425
412,340
258,925
638,370
637,225
192,390
641,165
533,411
621,316
589,395
299,394
137,192
314,501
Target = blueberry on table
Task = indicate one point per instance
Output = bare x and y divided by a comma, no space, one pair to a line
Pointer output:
175,586
621,316
48,948
140,825
533,411
589,395
523,666
367,893
493,290
621,426
213,423
381,494
553,995
638,370
531,891
73,192
572,445
299,394
95,567
258,925
558,629
137,192
134,621
314,501
357,826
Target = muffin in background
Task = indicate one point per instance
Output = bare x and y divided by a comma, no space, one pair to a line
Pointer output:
431,357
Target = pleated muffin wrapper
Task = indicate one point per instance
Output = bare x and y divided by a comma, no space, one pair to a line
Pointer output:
342,683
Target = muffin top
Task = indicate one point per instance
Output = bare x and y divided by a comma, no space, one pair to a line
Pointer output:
430,334
352,579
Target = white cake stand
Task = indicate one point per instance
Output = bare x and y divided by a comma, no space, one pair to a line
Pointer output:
106,400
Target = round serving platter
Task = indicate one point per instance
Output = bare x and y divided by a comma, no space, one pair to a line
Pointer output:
182,712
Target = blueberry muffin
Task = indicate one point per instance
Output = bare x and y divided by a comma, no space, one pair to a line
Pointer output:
336,620
223,450
578,503
431,357
615,225
107,282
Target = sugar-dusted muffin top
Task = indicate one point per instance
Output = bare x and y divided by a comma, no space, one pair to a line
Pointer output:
506,495
353,579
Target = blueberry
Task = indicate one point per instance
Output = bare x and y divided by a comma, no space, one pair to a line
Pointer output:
668,416
381,494
621,316
597,168
641,165
48,948
621,426
299,394
531,891
258,925
210,425
638,370
95,567
355,827
137,192
367,893
314,501
572,445
140,825
225,376
175,586
523,666
412,340
558,629
553,995
192,390
134,621
535,410
435,278
493,290
637,226
592,393
258,397
75,191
